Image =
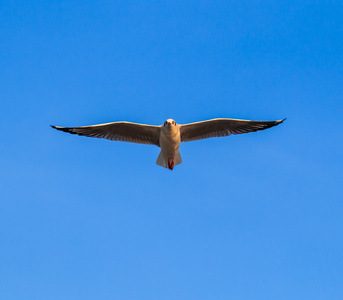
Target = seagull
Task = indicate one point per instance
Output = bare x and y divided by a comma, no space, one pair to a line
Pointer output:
169,135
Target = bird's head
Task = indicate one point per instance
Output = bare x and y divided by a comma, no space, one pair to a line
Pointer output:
170,123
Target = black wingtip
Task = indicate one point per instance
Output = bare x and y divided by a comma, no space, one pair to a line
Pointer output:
64,129
56,127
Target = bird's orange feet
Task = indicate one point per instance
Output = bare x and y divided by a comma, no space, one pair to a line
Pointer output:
171,164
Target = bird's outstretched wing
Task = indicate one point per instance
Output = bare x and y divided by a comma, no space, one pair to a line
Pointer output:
222,127
118,131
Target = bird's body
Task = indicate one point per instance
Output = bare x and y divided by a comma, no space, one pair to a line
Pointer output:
170,140
169,135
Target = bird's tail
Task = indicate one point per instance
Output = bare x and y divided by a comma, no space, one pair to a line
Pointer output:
162,160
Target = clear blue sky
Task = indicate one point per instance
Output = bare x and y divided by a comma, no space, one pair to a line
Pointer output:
255,216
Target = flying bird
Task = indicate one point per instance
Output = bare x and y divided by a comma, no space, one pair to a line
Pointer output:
169,135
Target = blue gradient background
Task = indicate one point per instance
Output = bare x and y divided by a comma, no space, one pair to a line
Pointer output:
255,216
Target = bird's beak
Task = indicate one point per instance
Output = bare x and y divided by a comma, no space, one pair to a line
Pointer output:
169,123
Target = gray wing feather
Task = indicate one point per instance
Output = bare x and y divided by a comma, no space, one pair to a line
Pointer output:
118,131
222,127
